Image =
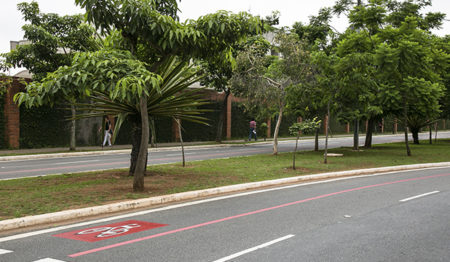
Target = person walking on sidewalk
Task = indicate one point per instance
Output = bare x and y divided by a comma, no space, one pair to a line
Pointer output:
252,130
108,132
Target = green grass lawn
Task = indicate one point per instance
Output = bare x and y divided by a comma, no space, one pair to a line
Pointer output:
32,196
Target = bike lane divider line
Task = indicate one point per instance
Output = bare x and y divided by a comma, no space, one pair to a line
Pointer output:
230,257
418,196
248,214
4,251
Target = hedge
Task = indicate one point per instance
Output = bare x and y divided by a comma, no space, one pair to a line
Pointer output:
44,127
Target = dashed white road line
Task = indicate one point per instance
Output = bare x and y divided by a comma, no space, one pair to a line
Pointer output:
253,249
422,195
48,260
4,251
76,162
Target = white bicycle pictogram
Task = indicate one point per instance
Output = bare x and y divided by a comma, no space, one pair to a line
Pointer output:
109,231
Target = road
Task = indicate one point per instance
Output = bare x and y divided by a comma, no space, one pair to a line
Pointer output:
385,217
39,167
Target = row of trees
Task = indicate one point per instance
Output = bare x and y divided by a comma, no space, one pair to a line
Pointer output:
386,63
138,66
134,59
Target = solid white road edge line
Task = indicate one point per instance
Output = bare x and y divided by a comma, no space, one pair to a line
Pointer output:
145,212
253,249
422,195
4,251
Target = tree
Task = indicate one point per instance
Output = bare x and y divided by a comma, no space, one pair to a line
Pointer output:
327,85
218,70
264,80
52,40
372,19
144,37
305,127
308,100
410,86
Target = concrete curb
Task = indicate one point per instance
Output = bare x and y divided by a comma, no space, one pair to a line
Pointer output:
107,152
149,202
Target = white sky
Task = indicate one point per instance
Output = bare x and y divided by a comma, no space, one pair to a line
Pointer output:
291,11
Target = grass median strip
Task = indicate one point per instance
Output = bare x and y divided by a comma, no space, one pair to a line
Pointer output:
38,195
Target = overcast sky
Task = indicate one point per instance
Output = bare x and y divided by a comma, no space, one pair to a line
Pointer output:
291,11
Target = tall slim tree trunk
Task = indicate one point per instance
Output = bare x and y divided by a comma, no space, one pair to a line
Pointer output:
405,120
73,129
223,111
153,131
431,134
141,163
295,151
325,155
181,141
316,140
369,133
436,131
356,135
277,129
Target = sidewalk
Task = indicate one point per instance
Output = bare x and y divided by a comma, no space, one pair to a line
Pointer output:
99,149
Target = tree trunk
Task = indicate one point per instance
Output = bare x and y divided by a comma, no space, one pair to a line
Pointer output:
295,151
356,135
73,129
325,155
277,129
405,116
316,140
141,163
415,135
431,134
436,131
369,133
153,131
181,141
223,111
135,142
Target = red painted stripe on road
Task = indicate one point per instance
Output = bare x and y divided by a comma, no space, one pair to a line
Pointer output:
247,214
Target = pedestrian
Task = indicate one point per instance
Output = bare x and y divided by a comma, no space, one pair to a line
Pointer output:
108,132
252,130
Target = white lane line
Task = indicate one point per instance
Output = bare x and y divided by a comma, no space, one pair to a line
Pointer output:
179,154
4,251
48,260
414,197
76,162
253,249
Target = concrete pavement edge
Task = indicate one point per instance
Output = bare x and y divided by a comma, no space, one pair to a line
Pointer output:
106,152
61,216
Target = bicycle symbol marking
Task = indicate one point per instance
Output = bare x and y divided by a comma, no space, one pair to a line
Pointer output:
109,231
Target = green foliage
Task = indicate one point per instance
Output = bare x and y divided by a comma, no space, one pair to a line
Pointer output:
307,126
262,129
43,127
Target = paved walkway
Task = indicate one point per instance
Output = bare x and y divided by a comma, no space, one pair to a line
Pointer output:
114,147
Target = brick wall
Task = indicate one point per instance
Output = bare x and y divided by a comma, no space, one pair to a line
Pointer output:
12,114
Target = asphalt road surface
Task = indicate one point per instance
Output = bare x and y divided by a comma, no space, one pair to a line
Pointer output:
401,216
30,168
